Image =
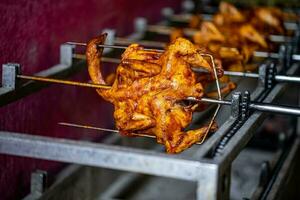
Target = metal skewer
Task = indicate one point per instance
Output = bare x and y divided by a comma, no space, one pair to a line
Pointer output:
65,82
105,129
112,46
263,107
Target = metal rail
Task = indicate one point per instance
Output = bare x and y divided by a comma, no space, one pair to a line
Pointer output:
111,46
101,155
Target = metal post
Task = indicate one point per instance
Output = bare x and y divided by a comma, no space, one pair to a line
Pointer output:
207,185
235,104
9,75
167,12
37,185
66,54
110,39
140,25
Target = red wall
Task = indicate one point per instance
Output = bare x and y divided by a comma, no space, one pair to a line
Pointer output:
30,34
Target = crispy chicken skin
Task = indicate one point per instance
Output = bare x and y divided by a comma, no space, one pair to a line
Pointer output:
233,45
235,31
266,20
228,14
148,90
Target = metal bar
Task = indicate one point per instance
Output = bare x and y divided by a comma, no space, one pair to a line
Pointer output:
209,100
65,82
241,74
267,107
111,46
103,129
103,59
279,78
279,38
263,107
287,78
125,41
101,155
262,54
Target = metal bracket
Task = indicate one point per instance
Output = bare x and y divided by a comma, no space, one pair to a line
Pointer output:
285,55
267,73
140,25
9,75
167,12
240,105
245,106
110,39
188,6
66,54
38,185
235,104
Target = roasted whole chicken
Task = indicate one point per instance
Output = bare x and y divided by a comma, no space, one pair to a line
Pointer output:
148,90
234,46
266,20
234,35
243,39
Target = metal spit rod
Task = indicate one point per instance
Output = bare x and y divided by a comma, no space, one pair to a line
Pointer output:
106,129
279,78
65,82
264,107
111,46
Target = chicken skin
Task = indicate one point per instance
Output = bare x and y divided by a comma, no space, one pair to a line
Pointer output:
148,90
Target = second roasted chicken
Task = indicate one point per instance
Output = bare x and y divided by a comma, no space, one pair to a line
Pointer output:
148,90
